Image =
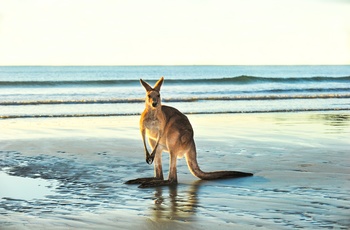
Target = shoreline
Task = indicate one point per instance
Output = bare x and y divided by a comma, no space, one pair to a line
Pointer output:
295,158
345,110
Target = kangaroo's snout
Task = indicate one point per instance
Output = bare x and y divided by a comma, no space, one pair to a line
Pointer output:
154,99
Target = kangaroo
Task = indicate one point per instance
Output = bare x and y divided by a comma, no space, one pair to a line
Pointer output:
169,130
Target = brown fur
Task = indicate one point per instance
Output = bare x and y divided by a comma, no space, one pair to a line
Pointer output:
169,130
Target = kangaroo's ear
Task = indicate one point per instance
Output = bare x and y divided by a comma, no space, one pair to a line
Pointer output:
146,85
159,84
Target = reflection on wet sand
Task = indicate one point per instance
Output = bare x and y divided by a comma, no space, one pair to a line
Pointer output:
178,202
334,123
335,119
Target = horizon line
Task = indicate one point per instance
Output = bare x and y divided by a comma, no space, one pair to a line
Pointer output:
184,65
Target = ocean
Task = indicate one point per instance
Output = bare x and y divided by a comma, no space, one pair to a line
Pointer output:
71,172
78,91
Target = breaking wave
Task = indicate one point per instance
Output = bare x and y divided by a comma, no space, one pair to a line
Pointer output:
186,99
230,80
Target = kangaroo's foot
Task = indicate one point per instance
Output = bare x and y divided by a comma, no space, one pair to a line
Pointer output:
141,180
157,183
149,182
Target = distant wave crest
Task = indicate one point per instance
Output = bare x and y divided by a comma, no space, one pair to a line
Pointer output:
253,80
231,80
185,99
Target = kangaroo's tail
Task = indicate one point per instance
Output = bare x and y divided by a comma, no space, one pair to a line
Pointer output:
191,158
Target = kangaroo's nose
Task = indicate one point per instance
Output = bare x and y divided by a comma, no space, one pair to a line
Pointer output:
154,104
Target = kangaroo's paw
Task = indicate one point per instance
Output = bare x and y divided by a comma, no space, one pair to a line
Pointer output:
157,183
149,159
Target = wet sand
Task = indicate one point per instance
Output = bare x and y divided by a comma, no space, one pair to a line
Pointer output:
60,173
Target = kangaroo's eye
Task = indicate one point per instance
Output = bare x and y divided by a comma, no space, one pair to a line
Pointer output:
158,96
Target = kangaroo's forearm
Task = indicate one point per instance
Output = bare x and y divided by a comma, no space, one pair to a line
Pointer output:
150,157
143,134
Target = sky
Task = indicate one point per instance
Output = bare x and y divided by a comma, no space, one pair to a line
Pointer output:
169,32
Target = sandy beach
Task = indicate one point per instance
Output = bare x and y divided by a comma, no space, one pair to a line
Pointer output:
69,173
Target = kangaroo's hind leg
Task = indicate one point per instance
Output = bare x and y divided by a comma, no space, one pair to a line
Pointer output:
158,171
176,147
172,178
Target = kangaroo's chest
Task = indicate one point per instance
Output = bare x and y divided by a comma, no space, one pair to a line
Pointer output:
153,126
153,122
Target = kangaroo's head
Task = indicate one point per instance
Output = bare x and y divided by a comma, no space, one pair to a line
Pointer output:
153,94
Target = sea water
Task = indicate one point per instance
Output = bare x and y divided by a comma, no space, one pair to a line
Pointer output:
73,91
